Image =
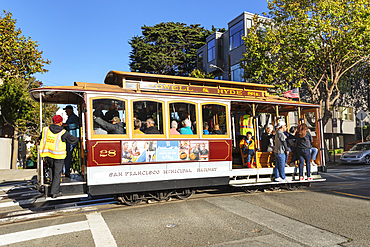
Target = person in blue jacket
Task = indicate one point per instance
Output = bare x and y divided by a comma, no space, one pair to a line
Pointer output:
186,130
72,126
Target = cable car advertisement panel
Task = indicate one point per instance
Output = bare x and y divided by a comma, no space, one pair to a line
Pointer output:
164,151
153,160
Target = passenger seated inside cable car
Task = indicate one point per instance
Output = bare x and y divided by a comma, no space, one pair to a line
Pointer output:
116,127
150,128
214,117
247,149
109,116
150,113
205,129
173,130
186,129
183,115
137,126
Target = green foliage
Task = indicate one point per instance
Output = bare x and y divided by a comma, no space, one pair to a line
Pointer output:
19,56
19,60
167,48
200,74
17,107
33,153
314,43
336,151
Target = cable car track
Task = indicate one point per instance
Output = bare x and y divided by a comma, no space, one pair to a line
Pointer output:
65,207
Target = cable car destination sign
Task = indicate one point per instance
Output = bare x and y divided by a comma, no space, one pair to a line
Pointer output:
199,89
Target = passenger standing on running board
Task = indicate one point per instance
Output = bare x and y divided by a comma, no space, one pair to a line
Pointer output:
280,150
72,125
53,149
304,139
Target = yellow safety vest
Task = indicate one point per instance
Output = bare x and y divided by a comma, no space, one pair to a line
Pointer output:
244,142
51,144
246,125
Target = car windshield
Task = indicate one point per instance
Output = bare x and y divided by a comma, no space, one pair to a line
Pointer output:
361,147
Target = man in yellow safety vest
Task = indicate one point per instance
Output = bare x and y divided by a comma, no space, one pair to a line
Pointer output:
53,149
246,124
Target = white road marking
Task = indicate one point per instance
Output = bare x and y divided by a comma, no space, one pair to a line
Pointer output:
301,232
43,232
100,231
95,222
18,203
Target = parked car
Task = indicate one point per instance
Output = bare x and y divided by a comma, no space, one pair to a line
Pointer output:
360,153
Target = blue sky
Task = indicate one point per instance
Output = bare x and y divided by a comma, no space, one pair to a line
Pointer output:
85,39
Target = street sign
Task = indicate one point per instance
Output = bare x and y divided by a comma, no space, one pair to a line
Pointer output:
361,115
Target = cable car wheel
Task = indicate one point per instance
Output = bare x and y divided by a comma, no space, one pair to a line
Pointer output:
185,194
130,199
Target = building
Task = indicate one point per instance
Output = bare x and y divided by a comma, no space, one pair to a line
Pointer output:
221,56
223,51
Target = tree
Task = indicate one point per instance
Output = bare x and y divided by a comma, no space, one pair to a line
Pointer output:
19,60
167,48
18,109
200,74
316,43
19,56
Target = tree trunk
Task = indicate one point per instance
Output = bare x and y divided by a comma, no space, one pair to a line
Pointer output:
15,149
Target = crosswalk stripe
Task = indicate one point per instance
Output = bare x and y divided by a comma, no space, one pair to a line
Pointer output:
43,232
100,231
95,222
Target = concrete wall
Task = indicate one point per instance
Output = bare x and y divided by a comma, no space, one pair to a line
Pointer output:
6,153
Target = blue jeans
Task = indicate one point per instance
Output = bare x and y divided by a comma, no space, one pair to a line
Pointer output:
314,152
68,159
287,156
294,156
304,155
250,152
280,165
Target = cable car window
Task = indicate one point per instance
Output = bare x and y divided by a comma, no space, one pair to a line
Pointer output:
150,114
183,118
214,119
109,116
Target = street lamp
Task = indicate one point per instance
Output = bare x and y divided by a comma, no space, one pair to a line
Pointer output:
212,66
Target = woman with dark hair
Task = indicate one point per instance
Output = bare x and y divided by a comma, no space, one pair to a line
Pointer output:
304,139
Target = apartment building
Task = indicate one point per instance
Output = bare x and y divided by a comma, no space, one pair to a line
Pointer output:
221,56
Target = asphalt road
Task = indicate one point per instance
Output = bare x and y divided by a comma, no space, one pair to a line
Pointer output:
331,213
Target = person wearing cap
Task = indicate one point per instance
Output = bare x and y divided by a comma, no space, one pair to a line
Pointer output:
280,151
72,125
116,127
53,149
111,113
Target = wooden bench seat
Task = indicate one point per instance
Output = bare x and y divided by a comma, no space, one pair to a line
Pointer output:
263,159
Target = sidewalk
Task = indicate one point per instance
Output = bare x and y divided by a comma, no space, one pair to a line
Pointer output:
9,175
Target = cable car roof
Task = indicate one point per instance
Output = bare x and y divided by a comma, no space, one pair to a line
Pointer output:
119,77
